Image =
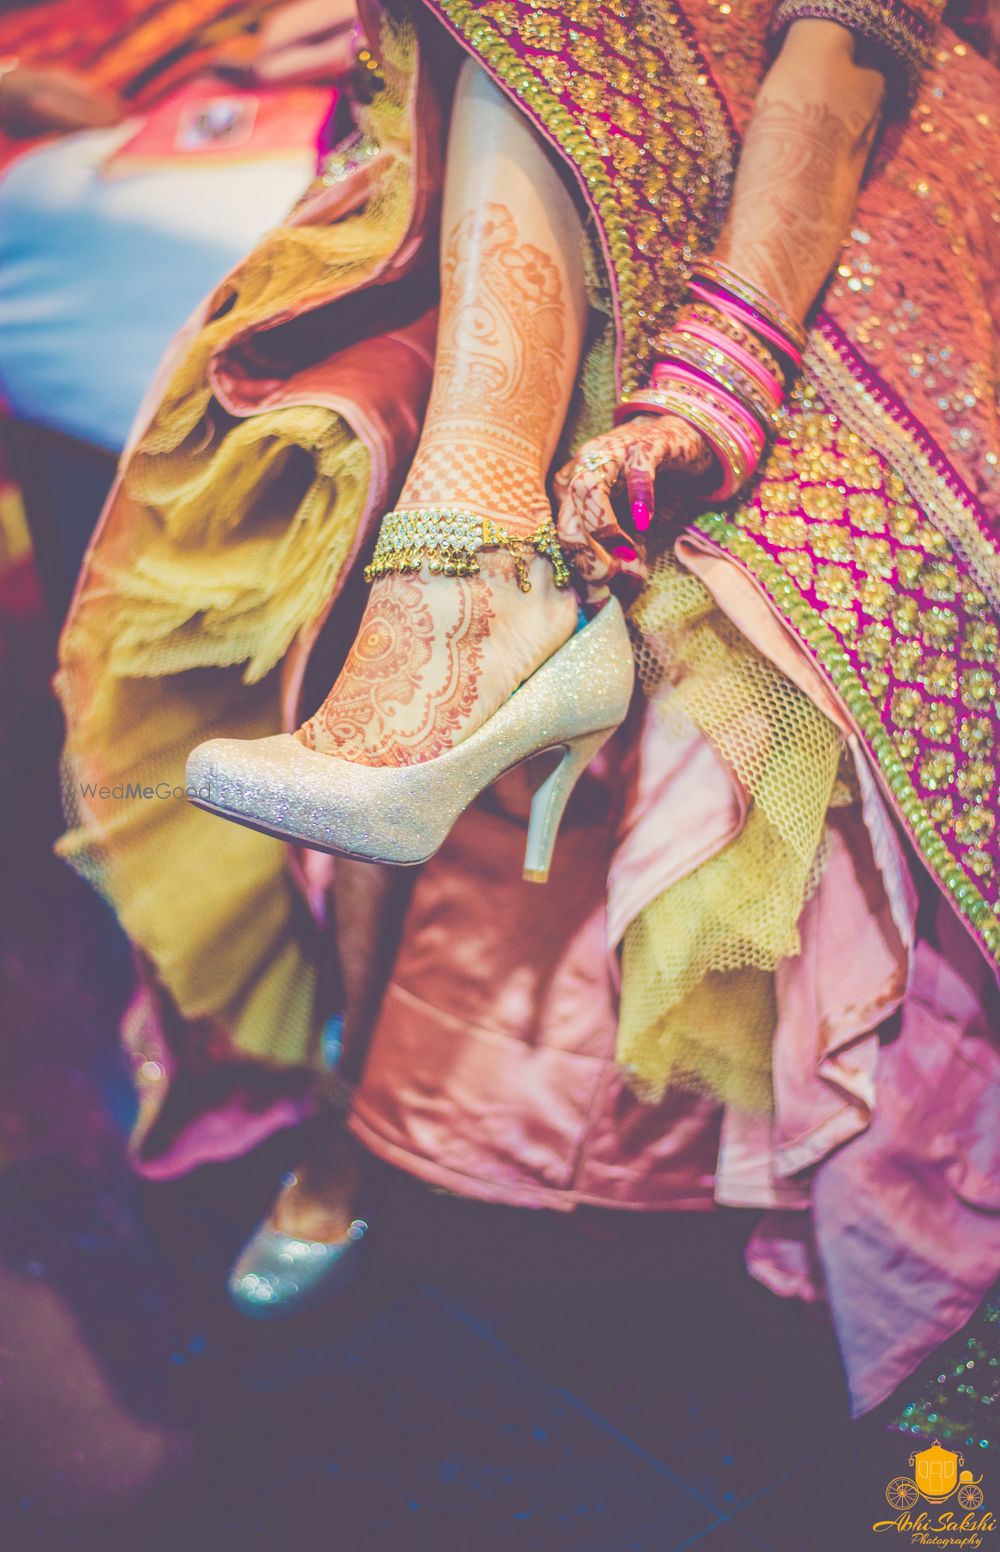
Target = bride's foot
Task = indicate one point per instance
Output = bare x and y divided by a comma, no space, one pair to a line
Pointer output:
319,1198
435,656
310,1247
423,718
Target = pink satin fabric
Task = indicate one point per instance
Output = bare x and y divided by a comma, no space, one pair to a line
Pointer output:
492,1068
491,1071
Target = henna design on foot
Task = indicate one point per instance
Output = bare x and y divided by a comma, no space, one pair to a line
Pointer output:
435,656
408,685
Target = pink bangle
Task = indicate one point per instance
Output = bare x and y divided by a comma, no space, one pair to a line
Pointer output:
767,383
747,315
724,376
737,424
716,272
735,455
714,430
720,400
751,455
725,449
734,473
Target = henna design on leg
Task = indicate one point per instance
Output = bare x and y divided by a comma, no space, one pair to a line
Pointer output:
435,656
498,379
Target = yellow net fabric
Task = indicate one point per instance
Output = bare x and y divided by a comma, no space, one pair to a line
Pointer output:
297,267
227,540
698,1006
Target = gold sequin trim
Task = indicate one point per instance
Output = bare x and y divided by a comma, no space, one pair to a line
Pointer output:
641,125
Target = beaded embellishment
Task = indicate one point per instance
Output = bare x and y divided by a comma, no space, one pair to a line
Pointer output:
447,540
903,32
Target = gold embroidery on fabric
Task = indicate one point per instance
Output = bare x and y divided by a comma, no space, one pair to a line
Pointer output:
905,35
912,659
915,474
639,121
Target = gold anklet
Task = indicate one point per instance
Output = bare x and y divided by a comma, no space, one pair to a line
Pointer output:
447,540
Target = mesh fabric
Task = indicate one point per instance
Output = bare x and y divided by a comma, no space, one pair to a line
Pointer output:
698,1005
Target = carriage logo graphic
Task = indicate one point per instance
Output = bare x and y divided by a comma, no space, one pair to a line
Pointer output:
939,1478
935,1477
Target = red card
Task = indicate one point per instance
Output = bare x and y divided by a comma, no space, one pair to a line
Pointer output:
210,122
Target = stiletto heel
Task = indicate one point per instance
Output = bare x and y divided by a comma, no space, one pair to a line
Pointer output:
402,814
549,803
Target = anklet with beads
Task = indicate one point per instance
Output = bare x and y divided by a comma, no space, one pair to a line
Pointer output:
447,540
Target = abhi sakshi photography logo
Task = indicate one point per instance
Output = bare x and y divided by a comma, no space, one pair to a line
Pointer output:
939,1477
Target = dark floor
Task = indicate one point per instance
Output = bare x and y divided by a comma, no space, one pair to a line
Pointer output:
497,1379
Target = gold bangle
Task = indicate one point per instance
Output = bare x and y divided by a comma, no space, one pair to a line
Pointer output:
667,403
707,395
725,323
694,352
753,296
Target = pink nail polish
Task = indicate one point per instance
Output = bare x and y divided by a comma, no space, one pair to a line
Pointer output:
624,552
641,515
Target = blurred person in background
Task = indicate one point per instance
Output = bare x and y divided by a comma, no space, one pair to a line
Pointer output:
144,149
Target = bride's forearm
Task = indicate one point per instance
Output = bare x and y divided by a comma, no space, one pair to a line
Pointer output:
724,364
803,158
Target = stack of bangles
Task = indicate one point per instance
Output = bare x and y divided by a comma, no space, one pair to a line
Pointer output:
724,368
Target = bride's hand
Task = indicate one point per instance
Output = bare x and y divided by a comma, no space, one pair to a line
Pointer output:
633,455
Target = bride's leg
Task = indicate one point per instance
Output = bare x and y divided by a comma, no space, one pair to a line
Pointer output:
369,905
437,655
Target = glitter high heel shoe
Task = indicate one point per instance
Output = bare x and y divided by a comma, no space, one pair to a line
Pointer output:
402,814
281,1274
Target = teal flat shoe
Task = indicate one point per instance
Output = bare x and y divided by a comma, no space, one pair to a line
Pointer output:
278,1275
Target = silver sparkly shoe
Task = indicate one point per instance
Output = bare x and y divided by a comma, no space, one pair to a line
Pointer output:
402,814
278,1274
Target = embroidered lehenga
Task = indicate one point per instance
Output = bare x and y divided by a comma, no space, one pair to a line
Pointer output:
777,895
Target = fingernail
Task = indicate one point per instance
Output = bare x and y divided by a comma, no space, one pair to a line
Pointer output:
641,514
624,552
